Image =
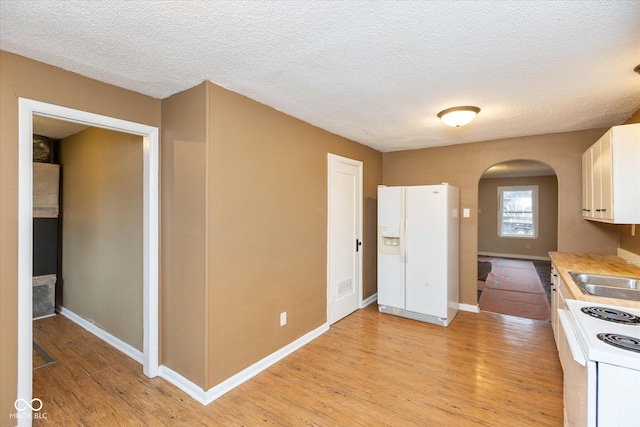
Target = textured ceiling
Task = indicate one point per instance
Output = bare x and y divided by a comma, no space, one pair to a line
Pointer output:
376,72
55,129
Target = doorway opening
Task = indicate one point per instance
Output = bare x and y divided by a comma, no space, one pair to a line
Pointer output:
517,228
27,109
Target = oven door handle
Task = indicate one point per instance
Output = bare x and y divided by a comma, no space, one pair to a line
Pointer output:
572,340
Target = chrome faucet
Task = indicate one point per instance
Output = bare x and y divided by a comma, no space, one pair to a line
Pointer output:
629,261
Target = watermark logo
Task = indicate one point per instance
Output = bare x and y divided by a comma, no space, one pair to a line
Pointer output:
28,409
22,405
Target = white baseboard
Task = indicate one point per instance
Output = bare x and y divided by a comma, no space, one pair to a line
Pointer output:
519,256
105,336
370,300
196,392
469,307
44,317
206,397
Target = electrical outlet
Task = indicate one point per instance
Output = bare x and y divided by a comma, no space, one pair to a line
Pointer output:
283,318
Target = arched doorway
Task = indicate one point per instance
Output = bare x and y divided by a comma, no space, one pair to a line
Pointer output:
517,228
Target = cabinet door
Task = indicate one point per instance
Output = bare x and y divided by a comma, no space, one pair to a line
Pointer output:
563,294
554,304
625,174
601,169
597,179
587,183
606,207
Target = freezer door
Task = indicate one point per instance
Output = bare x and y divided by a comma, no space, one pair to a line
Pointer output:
390,264
426,249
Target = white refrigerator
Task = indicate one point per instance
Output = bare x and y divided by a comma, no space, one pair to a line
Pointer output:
418,241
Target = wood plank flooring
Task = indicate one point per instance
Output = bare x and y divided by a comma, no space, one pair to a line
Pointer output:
369,369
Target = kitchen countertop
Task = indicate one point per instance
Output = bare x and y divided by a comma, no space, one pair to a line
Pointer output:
612,265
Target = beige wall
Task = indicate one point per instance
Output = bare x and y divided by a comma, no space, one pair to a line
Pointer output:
630,236
244,202
21,77
463,165
102,256
244,230
488,239
183,233
267,224
243,218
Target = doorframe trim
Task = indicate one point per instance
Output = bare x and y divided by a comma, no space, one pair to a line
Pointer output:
150,134
360,165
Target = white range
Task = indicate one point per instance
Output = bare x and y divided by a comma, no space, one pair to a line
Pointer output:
600,355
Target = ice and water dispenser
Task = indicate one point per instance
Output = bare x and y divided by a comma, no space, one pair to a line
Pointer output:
389,239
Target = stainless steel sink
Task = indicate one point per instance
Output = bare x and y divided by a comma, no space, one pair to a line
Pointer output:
608,286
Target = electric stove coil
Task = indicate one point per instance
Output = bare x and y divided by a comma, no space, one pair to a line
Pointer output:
621,341
611,315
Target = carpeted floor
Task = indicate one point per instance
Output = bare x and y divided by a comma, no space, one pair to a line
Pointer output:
515,287
484,268
544,272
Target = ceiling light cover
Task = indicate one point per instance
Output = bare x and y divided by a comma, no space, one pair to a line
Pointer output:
458,116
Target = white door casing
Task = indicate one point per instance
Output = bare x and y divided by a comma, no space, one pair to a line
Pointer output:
344,237
26,109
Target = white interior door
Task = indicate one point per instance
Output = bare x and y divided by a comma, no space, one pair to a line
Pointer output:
344,270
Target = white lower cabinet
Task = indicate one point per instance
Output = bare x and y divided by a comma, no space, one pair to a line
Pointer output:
559,293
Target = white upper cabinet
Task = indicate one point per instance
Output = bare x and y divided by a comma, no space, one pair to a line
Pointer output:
611,177
587,182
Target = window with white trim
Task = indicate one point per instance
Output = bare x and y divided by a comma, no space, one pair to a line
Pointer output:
518,212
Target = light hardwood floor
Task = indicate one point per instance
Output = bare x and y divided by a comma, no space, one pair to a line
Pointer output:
369,369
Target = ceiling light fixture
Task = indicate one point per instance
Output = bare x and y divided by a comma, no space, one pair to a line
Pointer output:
458,116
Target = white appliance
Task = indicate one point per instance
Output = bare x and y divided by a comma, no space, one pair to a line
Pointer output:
599,351
418,233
